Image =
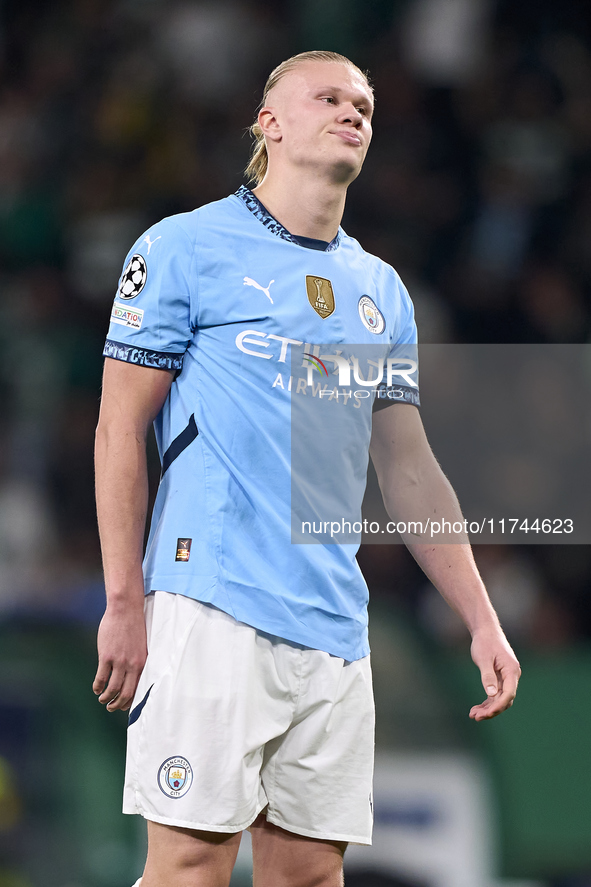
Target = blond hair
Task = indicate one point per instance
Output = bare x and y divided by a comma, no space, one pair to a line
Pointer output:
259,161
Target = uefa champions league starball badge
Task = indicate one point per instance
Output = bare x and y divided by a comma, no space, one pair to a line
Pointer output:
175,777
133,279
371,315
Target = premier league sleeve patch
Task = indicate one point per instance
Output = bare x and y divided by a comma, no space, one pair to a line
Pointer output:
371,315
175,777
133,279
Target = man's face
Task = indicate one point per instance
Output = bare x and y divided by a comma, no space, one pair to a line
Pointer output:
322,113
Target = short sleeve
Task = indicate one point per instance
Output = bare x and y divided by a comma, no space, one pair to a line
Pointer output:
406,328
401,383
151,317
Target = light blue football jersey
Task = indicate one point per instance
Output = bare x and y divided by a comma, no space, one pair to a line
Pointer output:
226,296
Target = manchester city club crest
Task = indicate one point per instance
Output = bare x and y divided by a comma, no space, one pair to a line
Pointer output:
175,777
371,315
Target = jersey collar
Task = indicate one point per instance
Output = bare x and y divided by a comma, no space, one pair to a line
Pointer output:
263,215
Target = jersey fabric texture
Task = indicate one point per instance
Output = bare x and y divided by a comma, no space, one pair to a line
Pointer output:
221,295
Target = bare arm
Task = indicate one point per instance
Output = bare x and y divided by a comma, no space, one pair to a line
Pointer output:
132,397
416,490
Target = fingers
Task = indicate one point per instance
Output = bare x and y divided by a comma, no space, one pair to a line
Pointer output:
500,701
113,687
490,683
116,688
125,696
499,672
492,706
122,653
103,673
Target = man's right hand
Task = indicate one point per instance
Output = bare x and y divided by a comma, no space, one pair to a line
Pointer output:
132,397
122,651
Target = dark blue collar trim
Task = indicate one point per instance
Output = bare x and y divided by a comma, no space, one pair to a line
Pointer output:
312,243
263,215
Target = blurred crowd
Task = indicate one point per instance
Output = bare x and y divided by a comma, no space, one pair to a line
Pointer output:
477,188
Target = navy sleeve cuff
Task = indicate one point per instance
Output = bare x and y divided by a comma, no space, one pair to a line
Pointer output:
386,396
160,360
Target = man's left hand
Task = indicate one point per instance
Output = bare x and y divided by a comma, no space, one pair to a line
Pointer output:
499,670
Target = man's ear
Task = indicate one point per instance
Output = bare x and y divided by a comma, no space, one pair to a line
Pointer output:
269,124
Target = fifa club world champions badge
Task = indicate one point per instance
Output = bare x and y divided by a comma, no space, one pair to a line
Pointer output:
320,295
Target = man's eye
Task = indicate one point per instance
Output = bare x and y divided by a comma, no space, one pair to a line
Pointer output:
328,98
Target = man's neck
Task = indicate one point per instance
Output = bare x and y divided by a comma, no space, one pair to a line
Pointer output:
309,208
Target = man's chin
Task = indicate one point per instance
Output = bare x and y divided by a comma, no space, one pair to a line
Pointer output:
346,172
340,171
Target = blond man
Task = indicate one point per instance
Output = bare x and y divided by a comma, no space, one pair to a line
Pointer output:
244,657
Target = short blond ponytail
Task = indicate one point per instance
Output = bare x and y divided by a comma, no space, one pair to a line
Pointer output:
257,167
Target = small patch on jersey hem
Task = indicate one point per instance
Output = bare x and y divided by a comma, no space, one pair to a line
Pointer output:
183,549
160,360
371,316
127,316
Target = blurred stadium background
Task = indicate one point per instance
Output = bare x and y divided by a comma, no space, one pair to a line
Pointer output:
114,113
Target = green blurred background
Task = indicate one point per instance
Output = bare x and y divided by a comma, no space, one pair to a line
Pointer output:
477,188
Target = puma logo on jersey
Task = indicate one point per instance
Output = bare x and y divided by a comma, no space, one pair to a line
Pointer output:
151,242
248,281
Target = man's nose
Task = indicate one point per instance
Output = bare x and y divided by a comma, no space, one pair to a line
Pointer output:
351,115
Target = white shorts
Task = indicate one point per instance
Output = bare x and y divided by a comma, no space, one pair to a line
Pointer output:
228,721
